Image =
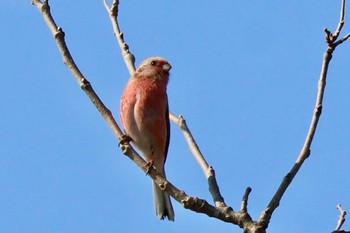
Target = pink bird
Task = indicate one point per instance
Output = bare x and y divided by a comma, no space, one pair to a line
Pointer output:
144,115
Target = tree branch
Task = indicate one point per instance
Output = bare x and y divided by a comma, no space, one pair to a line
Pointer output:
128,57
208,171
85,85
341,21
220,210
306,149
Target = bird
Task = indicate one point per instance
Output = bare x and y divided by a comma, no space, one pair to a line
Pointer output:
144,114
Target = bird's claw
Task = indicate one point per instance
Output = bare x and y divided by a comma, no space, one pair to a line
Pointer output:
124,139
123,143
148,166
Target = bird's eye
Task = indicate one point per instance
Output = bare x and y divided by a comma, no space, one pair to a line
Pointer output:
153,63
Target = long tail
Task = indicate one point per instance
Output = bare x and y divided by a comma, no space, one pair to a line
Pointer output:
162,204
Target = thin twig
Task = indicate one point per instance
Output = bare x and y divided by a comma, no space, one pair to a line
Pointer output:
341,21
208,171
181,123
344,38
306,149
128,57
341,219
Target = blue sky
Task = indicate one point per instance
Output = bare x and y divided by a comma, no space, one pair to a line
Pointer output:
244,77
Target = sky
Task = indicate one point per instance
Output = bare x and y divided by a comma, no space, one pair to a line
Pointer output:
244,77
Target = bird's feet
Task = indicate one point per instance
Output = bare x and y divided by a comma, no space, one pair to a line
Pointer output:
124,139
148,166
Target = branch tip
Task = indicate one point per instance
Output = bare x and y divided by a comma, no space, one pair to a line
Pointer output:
244,204
341,219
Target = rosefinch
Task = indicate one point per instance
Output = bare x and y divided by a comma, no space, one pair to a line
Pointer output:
144,114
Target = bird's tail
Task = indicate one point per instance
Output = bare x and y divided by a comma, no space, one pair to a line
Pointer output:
162,204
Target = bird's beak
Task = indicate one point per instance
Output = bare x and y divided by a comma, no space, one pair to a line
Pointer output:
166,67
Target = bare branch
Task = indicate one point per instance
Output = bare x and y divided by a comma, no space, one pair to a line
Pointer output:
208,171
331,39
306,149
220,210
342,40
85,85
341,20
181,123
128,57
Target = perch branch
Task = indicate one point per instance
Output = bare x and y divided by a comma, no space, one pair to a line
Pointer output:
332,43
195,204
